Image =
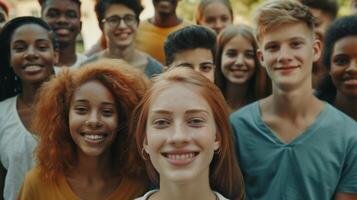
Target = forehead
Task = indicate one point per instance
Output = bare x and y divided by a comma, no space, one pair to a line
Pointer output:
197,55
216,8
118,9
29,31
239,42
61,4
346,45
179,96
286,31
93,89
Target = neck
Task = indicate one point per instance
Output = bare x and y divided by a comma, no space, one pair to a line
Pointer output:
236,95
295,103
346,105
165,21
197,189
90,169
28,93
126,53
67,55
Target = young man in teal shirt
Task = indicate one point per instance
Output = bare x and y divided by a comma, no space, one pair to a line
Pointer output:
292,145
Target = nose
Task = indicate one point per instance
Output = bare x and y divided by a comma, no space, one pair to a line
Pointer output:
93,121
31,53
284,54
121,24
179,135
61,19
218,25
352,68
239,60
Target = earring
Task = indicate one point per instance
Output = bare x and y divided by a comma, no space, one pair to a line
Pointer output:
218,151
143,154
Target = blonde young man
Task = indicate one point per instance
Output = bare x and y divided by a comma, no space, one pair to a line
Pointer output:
292,145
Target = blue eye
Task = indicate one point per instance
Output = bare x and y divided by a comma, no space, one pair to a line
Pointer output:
196,122
161,123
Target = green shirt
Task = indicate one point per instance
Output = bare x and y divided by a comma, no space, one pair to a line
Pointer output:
314,166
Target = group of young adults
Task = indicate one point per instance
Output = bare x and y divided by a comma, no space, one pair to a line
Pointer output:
162,109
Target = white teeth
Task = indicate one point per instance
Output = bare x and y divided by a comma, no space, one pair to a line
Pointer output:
94,137
32,68
181,156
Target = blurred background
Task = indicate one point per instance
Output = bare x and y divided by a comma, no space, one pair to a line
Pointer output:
186,10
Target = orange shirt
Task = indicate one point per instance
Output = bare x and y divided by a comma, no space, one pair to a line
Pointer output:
150,38
35,188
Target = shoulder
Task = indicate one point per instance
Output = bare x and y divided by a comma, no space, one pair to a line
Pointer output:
336,118
246,112
147,195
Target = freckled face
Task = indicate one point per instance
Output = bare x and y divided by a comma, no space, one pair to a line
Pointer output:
181,135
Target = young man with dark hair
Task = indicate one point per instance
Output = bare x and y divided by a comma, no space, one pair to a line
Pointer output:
193,46
64,16
291,145
325,12
153,31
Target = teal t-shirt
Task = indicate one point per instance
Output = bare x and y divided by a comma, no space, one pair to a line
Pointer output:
314,166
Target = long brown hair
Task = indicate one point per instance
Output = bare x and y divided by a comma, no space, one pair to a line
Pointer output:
225,175
259,85
56,150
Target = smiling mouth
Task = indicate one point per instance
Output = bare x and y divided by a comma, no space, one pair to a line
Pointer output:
32,68
351,82
94,138
180,159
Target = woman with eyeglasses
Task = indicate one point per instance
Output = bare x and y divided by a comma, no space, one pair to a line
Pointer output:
119,21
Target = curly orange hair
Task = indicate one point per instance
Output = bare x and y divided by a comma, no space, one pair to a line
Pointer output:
56,151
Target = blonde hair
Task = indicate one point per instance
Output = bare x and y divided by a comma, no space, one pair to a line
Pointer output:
274,13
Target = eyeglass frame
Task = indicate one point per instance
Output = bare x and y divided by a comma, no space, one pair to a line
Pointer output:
120,18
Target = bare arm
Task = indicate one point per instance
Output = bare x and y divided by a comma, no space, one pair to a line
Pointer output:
345,196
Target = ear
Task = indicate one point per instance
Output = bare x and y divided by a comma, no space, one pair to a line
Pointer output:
317,46
145,145
217,142
260,57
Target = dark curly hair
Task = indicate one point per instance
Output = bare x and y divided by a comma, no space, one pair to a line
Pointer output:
341,28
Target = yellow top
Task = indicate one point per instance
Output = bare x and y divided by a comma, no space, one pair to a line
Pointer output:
35,188
150,38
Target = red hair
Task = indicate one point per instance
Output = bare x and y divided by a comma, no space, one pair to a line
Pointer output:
225,175
56,151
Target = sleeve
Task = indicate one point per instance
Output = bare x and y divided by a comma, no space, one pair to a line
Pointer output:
348,179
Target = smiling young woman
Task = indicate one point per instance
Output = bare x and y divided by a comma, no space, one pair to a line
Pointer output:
27,55
83,151
187,145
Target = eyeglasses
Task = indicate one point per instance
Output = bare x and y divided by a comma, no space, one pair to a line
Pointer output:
115,20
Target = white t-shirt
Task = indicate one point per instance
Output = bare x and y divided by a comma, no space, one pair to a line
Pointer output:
16,147
151,192
79,61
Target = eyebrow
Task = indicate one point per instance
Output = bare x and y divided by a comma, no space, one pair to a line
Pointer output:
86,101
192,111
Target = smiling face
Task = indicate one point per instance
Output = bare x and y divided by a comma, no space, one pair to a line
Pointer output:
343,69
122,34
93,119
181,136
238,60
216,15
64,18
288,52
199,59
31,53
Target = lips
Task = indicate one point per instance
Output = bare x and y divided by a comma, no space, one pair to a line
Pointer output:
180,158
63,31
94,138
351,82
32,68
